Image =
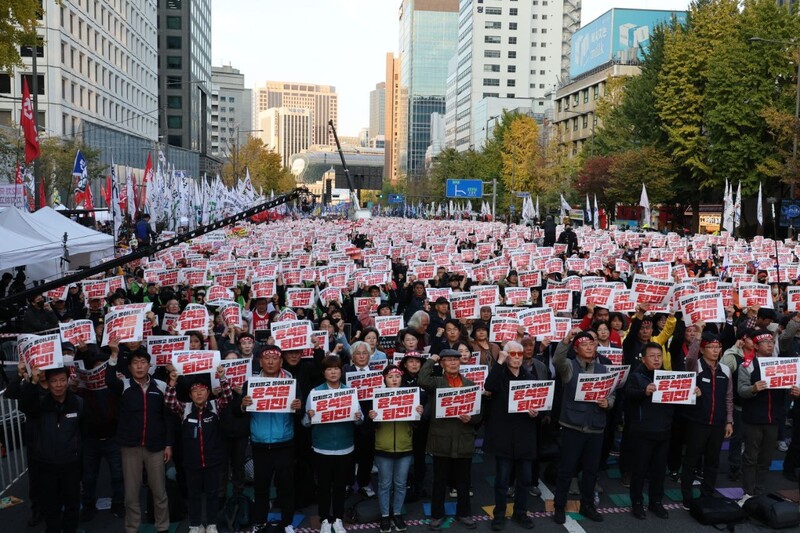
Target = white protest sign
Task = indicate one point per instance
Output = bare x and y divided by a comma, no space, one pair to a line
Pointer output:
271,395
457,401
530,395
161,347
780,372
388,326
674,387
594,387
77,331
397,404
364,382
292,334
40,351
333,405
189,362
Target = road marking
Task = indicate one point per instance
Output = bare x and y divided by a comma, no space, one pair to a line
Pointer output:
573,526
546,493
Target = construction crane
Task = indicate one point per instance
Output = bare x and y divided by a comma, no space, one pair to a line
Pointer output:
157,247
356,213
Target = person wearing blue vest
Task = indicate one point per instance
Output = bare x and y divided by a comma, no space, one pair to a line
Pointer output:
763,409
582,424
272,442
333,444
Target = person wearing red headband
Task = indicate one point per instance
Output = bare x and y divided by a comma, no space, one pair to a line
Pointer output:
763,408
710,420
583,424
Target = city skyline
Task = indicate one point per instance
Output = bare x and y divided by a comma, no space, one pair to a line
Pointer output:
353,65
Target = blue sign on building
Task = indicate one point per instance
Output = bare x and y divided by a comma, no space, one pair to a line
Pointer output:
397,198
464,189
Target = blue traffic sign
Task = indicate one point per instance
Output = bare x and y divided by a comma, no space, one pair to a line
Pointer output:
397,198
464,189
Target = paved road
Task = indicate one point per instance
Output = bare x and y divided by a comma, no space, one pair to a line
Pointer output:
613,506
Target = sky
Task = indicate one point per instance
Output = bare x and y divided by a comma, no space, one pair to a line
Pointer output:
331,42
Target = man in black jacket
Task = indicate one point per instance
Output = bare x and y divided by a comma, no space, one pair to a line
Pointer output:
38,317
59,420
143,433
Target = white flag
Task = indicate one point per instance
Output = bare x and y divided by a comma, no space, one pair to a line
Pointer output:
537,207
596,217
131,195
760,208
588,209
737,206
565,207
727,222
116,211
645,202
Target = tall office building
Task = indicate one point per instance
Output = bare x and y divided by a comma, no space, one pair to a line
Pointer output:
286,131
321,100
184,77
428,39
96,77
377,111
510,50
396,122
231,110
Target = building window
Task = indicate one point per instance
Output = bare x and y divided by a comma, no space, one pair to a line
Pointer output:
175,122
5,83
511,83
174,61
541,73
491,53
174,102
494,11
513,11
29,77
511,95
541,85
491,68
173,23
512,54
27,51
543,45
558,106
544,30
491,82
174,82
585,121
512,68
173,42
575,124
232,100
493,25
491,95
534,30
512,40
492,39
512,25
596,91
174,4
542,58
586,96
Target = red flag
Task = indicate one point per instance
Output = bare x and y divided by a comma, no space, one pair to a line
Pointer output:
28,123
147,178
107,191
42,195
87,199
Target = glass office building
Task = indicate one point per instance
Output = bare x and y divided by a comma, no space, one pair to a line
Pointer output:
428,40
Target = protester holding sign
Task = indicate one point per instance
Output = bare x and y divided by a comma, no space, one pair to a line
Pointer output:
364,437
202,440
649,426
411,363
763,408
511,437
583,424
393,453
144,435
743,350
451,441
708,422
333,446
272,442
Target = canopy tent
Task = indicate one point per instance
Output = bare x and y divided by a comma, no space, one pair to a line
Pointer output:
37,241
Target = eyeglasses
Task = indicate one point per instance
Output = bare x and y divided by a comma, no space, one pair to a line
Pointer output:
515,354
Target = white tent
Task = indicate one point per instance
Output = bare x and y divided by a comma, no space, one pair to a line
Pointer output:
36,241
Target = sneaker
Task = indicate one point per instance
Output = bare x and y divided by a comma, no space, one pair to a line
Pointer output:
212,528
590,512
559,516
435,524
399,523
686,505
467,522
453,493
338,526
287,529
523,520
374,469
658,509
744,498
698,474
498,523
325,526
535,491
597,488
196,529
782,446
367,491
637,509
386,524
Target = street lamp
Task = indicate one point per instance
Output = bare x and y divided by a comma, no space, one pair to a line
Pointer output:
486,129
796,104
591,146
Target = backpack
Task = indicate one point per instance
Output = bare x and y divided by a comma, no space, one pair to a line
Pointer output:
236,513
773,511
711,511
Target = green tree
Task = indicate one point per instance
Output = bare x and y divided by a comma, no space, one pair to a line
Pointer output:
57,162
523,164
17,27
629,169
265,166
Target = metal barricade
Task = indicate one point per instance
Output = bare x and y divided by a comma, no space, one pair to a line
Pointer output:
13,461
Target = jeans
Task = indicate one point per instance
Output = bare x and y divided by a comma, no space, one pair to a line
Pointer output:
392,473
202,482
735,443
94,450
522,473
579,451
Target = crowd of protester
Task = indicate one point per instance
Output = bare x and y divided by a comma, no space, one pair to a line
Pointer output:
188,441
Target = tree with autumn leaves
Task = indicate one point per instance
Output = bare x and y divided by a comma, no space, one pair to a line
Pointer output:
266,169
710,104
